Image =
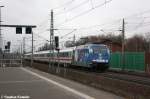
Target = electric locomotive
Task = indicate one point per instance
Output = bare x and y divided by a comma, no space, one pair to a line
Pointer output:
92,56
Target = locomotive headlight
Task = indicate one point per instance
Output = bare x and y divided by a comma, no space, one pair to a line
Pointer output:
102,60
106,61
99,60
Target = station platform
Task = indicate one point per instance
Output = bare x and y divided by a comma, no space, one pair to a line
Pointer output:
29,83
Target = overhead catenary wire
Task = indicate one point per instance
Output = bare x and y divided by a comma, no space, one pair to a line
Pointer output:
127,17
85,12
137,14
75,7
92,5
67,34
61,6
133,15
41,37
88,10
45,21
108,23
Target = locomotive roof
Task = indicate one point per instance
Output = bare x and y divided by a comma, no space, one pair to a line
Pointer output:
88,45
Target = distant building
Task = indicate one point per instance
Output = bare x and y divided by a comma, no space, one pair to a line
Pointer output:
114,46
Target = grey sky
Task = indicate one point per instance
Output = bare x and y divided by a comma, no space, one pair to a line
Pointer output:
37,12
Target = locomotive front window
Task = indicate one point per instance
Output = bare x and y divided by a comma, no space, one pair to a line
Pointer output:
99,49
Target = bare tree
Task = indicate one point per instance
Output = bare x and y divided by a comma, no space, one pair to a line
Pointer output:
136,43
147,36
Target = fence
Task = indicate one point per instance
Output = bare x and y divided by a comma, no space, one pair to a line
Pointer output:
10,59
10,62
133,61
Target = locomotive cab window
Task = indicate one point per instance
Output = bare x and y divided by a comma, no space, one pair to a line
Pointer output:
99,49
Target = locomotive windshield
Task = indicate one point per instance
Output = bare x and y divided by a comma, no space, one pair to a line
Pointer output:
99,49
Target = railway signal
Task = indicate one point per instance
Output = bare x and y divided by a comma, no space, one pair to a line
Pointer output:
56,42
6,47
28,30
18,30
8,44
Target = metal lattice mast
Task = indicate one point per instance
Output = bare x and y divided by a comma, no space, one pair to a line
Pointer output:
51,36
123,44
1,40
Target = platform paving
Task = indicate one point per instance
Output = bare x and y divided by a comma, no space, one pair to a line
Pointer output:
29,83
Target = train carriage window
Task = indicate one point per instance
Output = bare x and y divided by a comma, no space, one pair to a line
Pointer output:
45,55
69,54
61,54
65,54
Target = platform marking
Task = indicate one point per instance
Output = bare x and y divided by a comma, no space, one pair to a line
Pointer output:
85,96
7,82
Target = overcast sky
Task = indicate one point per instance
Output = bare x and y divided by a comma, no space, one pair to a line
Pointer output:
90,15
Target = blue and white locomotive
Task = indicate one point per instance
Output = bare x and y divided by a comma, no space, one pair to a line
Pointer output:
92,55
88,55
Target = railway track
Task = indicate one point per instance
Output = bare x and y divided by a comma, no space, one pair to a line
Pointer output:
123,76
126,77
133,78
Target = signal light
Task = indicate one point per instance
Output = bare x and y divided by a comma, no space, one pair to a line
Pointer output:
18,30
8,44
6,47
57,42
28,30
